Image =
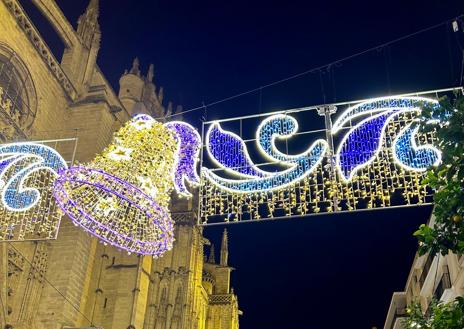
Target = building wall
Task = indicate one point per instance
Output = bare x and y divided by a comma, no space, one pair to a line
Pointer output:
75,281
440,277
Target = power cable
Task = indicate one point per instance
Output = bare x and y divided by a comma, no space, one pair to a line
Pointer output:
314,69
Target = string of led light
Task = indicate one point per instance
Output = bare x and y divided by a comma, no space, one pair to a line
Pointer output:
375,184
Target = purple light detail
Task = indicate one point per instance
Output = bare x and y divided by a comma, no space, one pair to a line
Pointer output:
187,157
142,117
80,190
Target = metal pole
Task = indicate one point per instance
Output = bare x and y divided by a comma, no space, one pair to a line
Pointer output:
326,112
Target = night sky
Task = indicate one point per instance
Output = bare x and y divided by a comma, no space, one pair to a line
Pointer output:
327,272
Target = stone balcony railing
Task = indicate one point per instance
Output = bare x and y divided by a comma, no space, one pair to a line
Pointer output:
221,299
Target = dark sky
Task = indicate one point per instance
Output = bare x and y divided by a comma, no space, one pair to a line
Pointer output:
325,272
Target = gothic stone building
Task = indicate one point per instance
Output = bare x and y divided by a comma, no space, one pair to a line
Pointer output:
74,281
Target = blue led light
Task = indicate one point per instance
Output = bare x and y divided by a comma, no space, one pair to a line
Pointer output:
229,151
19,162
278,126
361,144
411,156
357,149
303,166
189,144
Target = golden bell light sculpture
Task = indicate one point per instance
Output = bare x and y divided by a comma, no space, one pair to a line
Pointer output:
122,196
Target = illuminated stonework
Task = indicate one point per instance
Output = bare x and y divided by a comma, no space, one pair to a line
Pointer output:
379,162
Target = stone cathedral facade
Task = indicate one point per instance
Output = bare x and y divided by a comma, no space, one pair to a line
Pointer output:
75,281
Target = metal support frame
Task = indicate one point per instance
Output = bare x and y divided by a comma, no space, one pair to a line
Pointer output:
325,110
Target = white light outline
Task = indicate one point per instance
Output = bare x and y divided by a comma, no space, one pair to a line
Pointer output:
231,171
38,165
345,116
215,179
184,178
415,147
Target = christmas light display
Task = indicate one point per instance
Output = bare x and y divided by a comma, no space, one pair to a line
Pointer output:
224,146
279,126
122,196
229,151
412,157
363,142
379,162
188,155
115,211
27,208
20,160
381,104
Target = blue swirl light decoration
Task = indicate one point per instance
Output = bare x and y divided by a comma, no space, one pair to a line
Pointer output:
20,161
280,126
413,157
360,146
276,126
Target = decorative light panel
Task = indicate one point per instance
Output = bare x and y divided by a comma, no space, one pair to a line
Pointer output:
27,171
223,146
122,196
188,155
378,160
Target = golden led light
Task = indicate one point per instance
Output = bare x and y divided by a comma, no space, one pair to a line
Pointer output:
122,196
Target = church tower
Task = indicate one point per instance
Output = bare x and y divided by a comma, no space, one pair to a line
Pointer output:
79,60
138,93
75,281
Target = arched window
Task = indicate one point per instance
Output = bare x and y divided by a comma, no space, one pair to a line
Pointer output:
18,100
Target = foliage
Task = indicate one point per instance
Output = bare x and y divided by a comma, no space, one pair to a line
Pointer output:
447,179
441,315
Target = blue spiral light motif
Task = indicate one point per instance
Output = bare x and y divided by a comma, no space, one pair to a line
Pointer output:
233,153
303,166
411,156
278,126
360,146
21,160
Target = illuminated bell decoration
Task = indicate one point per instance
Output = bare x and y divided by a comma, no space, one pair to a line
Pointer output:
122,196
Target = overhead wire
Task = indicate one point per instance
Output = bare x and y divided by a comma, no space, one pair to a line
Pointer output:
312,70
